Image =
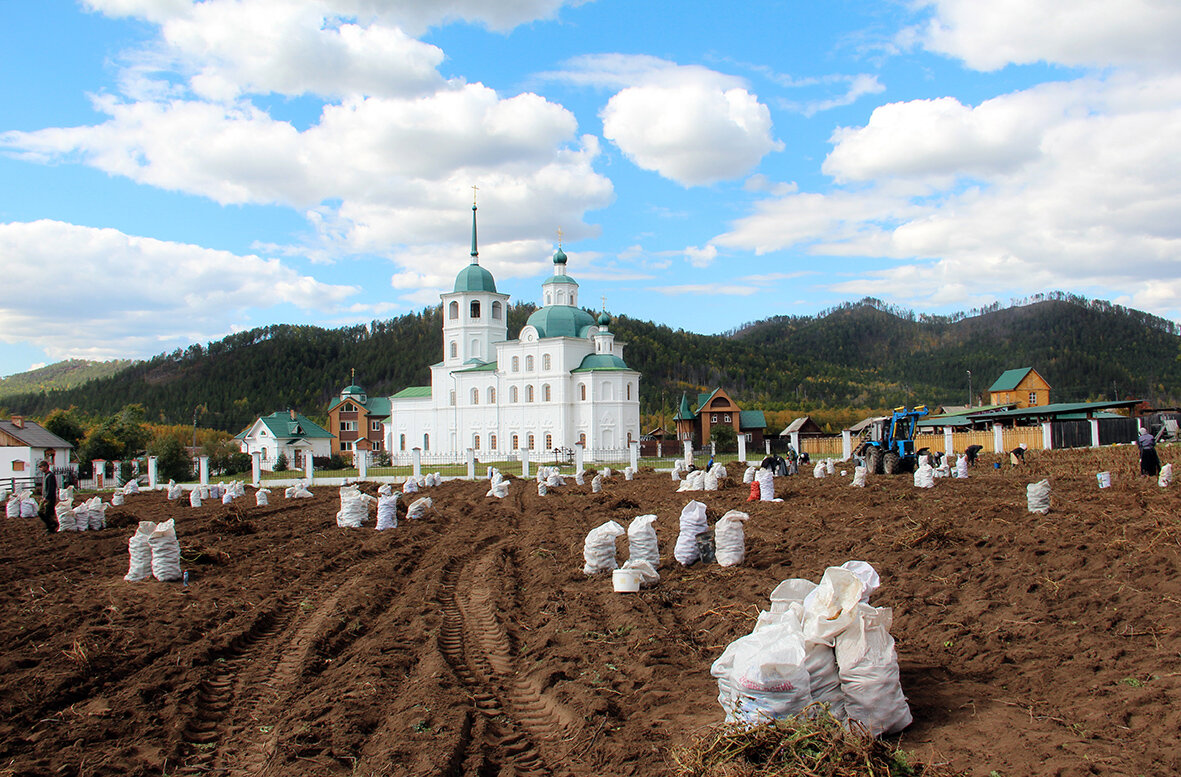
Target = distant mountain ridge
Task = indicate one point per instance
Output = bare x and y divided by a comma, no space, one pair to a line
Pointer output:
60,375
861,355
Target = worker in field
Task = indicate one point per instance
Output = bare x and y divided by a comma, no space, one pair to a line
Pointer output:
972,452
1149,461
1017,455
48,496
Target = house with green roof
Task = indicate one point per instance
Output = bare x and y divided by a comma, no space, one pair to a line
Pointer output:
1022,387
716,408
562,382
357,421
289,433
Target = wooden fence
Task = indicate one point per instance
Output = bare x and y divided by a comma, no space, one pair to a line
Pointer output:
830,447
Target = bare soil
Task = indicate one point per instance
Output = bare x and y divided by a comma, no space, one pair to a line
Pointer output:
470,642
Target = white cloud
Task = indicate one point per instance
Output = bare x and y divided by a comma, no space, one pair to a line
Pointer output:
688,123
859,86
706,289
701,256
1089,33
100,293
1073,185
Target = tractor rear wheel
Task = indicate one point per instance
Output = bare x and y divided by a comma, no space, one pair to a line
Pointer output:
873,460
890,463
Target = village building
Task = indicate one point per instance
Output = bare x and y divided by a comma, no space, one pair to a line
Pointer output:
803,426
717,408
357,421
1022,387
24,443
289,434
562,382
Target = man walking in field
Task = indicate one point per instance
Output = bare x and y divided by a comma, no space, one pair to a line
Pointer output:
48,496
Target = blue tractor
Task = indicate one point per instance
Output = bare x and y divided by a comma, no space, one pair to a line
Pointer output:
890,447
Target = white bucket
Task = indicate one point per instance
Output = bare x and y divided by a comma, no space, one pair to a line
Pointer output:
626,580
1104,479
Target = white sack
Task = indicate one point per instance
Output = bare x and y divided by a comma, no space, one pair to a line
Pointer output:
598,549
859,476
499,489
824,677
555,480
693,522
97,514
227,498
387,512
629,473
542,490
13,508
648,574
165,552
262,497
117,499
766,481
1037,497
730,539
195,498
1166,476
299,491
762,676
385,489
607,472
28,508
961,466
710,482
353,510
410,486
419,507
579,478
67,518
828,610
924,476
641,541
139,550
676,475
174,491
131,487
597,484
869,672
748,476
829,467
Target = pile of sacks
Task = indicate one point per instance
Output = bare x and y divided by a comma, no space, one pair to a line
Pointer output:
154,551
498,485
354,507
727,545
818,643
680,468
924,474
703,480
232,491
298,491
91,515
598,550
21,505
175,491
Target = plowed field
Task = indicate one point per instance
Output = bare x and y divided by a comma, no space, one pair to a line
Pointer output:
470,643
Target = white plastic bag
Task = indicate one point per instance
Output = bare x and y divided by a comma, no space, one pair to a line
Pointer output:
1166,476
824,677
300,491
830,467
924,476
869,672
676,475
387,512
859,477
579,478
961,466
165,552
641,541
648,574
411,485
719,471
353,510
28,508
730,538
1037,497
828,610
598,549
67,518
555,480
766,481
693,522
629,473
819,470
762,676
419,507
710,482
117,499
13,508
139,550
97,514
227,498
597,484
195,498
131,487
262,497
542,490
174,491
499,489
748,476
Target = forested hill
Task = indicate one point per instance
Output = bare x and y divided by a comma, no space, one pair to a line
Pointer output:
864,355
60,375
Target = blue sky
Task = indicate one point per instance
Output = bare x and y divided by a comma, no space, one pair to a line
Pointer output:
176,171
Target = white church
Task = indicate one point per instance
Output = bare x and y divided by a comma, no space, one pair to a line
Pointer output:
562,382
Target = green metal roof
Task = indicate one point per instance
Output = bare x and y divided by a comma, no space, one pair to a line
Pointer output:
560,321
282,426
474,278
1056,410
353,389
560,279
751,419
413,392
684,413
479,367
600,362
1009,379
702,399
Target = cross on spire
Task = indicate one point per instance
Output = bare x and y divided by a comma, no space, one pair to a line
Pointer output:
604,298
559,237
475,190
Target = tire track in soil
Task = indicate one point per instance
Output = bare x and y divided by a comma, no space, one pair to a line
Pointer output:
521,722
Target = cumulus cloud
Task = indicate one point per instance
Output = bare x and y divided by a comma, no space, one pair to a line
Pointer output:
1088,33
688,123
100,293
1070,185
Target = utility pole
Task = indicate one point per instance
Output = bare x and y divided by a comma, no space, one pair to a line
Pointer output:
969,389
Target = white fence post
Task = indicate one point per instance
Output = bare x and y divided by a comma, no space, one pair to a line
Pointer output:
1047,435
688,451
309,468
579,457
742,447
846,445
525,462
1094,432
767,445
416,460
635,455
117,473
153,474
795,442
998,438
470,456
203,465
98,469
256,467
948,441
361,458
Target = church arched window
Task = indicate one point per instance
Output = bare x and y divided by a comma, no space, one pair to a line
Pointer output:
545,361
582,391
426,442
545,393
530,442
476,441
402,442
529,393
512,394
475,308
475,396
496,315
582,439
629,394
528,364
561,298
549,442
453,310
492,442
454,350
549,298
492,396
516,443
516,364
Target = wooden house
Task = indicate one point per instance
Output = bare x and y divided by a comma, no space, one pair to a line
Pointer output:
357,421
1022,387
716,408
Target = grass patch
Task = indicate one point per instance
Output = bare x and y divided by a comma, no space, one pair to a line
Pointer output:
813,745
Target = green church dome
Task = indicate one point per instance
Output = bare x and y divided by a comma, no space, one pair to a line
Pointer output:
353,389
601,361
560,321
474,278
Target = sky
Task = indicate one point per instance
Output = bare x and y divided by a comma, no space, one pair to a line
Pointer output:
173,171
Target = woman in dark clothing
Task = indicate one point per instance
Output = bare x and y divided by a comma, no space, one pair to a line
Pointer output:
1149,461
